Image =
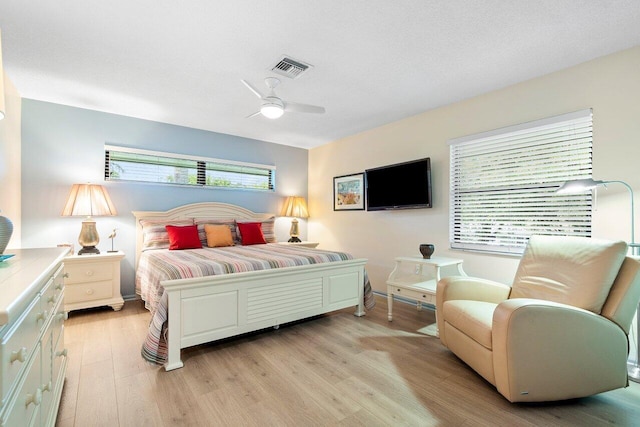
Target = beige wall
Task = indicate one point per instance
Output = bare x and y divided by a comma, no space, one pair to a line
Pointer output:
10,168
610,85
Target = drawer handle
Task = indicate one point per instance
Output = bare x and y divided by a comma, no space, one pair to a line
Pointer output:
89,273
398,290
41,316
46,387
62,353
35,398
65,275
51,299
89,291
424,296
59,286
20,355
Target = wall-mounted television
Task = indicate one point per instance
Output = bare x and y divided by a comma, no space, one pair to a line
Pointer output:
400,186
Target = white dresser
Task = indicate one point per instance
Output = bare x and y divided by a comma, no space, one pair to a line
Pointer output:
32,352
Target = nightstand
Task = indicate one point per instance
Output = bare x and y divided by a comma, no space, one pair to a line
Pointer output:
93,281
414,283
303,243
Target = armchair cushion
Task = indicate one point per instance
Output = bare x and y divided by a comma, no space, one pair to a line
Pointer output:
571,270
472,317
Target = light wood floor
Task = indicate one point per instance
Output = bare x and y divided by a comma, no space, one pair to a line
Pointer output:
332,370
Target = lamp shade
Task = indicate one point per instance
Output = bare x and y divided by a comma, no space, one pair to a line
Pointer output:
578,186
88,200
295,207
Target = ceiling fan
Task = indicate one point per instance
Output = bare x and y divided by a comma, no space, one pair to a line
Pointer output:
273,106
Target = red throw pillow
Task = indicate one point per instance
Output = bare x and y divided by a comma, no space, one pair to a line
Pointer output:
185,237
251,233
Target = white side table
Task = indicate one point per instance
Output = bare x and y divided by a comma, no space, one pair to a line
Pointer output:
93,281
410,280
303,243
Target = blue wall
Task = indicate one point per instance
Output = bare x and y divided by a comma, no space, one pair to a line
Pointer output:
63,145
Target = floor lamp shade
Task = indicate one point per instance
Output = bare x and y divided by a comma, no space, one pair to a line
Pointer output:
88,200
295,207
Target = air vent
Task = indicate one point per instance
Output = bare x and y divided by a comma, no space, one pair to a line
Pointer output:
291,68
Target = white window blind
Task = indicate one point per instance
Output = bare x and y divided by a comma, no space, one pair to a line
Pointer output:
130,164
504,182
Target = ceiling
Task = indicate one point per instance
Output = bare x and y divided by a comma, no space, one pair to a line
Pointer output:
374,61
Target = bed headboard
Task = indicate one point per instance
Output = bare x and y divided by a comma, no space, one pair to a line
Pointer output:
212,210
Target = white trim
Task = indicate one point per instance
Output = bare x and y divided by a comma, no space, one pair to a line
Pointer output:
522,127
108,147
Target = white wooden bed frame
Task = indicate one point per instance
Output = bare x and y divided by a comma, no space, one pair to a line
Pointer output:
214,307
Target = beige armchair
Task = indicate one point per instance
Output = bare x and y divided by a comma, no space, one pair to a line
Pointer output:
559,332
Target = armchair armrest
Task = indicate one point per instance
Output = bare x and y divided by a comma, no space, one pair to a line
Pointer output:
470,288
550,351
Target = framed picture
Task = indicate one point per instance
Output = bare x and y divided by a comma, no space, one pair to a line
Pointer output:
348,192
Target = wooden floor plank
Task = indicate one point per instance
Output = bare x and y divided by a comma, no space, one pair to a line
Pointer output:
333,370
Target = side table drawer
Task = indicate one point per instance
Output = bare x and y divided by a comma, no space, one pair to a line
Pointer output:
88,291
88,272
415,294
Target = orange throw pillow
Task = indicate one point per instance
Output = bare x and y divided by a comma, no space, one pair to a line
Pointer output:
218,235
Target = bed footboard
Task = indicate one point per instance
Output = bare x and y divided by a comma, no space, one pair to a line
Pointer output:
214,307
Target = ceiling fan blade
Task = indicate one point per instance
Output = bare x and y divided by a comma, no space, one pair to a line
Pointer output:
252,115
252,89
295,107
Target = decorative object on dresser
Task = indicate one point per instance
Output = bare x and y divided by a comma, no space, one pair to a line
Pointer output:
112,236
32,351
6,230
348,192
427,250
93,281
295,207
88,200
409,280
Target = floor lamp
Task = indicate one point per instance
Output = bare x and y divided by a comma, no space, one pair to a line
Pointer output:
580,186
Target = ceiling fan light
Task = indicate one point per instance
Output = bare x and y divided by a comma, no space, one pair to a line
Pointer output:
271,111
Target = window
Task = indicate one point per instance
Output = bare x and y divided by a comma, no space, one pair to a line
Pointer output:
503,183
130,164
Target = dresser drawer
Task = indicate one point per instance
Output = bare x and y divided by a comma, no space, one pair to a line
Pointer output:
49,295
28,398
88,291
19,343
88,272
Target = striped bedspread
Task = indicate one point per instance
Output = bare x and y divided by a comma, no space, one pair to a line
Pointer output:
162,264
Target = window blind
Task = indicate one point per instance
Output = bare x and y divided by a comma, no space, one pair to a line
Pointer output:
129,164
503,183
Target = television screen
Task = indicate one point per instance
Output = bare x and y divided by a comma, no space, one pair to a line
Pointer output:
400,186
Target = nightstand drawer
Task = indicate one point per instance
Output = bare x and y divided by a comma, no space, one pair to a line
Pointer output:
88,291
88,272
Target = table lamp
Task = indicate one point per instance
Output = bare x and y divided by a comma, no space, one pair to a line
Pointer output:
88,200
295,207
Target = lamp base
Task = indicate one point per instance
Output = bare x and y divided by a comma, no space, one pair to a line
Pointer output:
88,250
633,371
294,239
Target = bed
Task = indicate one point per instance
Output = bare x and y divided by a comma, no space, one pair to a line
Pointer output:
200,298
